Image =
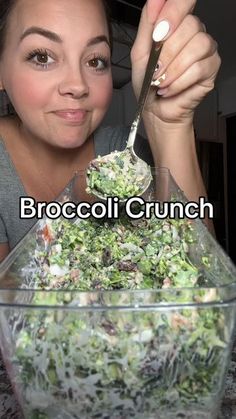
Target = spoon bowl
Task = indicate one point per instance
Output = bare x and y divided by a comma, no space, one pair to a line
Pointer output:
123,173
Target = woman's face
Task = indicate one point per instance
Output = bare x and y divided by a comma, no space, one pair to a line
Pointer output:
56,68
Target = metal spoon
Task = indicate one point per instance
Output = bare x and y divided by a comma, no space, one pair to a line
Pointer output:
141,169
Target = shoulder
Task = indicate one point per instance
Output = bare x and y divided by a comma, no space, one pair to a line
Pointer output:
8,179
8,127
5,121
108,139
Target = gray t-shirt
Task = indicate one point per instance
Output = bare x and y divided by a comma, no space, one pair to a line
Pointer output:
12,228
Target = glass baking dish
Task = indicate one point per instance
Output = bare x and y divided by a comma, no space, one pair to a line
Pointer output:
153,352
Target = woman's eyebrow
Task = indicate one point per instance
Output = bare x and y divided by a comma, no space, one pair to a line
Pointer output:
56,38
41,31
97,40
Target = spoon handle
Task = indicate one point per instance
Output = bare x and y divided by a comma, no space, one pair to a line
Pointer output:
151,66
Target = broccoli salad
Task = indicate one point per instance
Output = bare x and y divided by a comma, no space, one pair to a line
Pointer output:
119,364
120,254
118,174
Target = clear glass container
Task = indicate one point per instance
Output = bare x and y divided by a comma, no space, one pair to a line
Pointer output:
141,353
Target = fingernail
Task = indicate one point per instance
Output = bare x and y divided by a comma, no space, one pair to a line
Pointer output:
161,30
158,81
162,92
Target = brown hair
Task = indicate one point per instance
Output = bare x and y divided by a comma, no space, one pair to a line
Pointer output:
108,17
6,7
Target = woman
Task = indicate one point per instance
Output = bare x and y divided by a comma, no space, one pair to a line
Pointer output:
55,66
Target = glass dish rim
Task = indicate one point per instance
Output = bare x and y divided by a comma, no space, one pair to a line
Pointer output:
135,305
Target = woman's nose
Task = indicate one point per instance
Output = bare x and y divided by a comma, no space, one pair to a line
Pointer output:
74,84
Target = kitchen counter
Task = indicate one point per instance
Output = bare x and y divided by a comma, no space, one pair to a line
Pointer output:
9,409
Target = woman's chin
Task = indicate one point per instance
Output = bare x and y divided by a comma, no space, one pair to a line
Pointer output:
70,143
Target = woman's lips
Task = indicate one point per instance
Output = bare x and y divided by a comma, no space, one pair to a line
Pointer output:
72,115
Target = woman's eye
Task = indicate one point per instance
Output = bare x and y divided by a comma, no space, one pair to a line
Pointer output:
98,64
40,58
43,59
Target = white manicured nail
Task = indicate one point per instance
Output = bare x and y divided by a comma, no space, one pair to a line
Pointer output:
161,30
157,82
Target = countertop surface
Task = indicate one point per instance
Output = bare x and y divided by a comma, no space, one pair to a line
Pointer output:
9,409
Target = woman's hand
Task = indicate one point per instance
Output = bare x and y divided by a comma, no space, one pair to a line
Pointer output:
189,61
